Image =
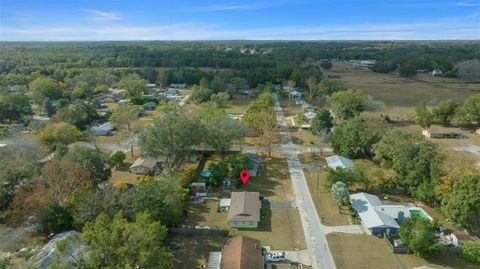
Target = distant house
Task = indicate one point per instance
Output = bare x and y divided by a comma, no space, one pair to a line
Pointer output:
309,115
242,252
178,86
436,72
104,129
151,85
295,94
440,134
244,210
149,106
225,205
123,102
459,238
378,218
145,166
255,166
338,161
307,106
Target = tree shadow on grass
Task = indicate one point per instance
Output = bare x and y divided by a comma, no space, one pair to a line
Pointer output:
273,174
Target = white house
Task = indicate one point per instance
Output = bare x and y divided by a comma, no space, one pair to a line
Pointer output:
338,161
436,72
225,205
104,129
295,94
459,238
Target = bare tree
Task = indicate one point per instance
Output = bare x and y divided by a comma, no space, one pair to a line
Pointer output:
311,84
266,126
128,125
469,70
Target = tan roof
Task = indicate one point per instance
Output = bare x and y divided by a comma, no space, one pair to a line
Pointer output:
461,236
244,206
148,162
242,252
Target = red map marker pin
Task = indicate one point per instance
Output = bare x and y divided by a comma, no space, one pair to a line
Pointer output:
244,176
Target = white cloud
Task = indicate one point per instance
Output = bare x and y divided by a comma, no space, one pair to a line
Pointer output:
98,15
469,3
230,7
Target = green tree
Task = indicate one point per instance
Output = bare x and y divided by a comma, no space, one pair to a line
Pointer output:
127,123
117,243
263,102
117,158
463,203
220,171
221,132
162,199
407,70
328,86
416,162
470,250
471,108
82,90
201,95
93,161
423,117
134,87
326,64
347,176
55,219
59,133
347,104
221,99
42,88
48,108
322,122
238,162
354,138
420,236
172,136
445,111
13,107
80,113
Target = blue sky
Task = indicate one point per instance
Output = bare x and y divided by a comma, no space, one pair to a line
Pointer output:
221,20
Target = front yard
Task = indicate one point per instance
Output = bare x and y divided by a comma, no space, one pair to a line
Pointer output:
280,228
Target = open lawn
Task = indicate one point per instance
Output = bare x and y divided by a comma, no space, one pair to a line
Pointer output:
280,228
239,104
274,181
121,176
404,92
194,250
446,259
358,251
327,208
313,157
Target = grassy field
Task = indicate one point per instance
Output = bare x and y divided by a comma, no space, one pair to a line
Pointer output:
327,208
194,250
404,92
281,229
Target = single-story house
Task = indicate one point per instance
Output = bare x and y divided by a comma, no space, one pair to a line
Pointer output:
244,210
225,205
255,166
149,106
151,85
440,133
307,106
295,94
145,166
376,217
339,161
459,238
242,252
103,130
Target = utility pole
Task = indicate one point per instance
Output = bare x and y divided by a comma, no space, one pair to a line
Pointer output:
318,177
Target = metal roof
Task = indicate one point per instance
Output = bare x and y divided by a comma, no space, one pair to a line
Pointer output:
338,161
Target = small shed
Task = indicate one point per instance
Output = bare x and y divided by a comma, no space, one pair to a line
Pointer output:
149,106
198,187
441,134
295,94
151,85
225,205
144,166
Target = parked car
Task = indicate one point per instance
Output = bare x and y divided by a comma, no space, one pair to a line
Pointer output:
276,257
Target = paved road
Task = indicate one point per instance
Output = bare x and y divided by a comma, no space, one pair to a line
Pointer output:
314,231
469,148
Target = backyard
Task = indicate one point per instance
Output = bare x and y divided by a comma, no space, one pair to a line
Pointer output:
193,251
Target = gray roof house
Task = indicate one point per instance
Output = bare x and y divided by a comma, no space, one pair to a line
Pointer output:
144,166
378,218
103,130
338,161
149,106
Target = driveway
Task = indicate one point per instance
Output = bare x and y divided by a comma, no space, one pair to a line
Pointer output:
268,204
314,231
